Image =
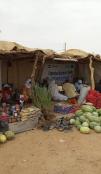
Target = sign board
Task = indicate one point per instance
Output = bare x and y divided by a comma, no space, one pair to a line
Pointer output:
58,72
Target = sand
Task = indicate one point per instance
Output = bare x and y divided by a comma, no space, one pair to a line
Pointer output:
52,152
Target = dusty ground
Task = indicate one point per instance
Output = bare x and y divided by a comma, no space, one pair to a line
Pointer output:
53,152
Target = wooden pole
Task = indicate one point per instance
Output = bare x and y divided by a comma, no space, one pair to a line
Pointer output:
92,73
33,74
34,70
41,67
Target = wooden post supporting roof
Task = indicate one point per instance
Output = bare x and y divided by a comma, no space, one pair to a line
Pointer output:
33,73
92,73
34,69
41,67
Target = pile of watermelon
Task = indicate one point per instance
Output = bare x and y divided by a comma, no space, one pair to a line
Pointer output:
8,135
87,118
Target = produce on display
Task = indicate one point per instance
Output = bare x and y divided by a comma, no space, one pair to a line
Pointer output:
99,111
97,129
78,112
85,124
29,112
87,108
87,118
72,121
3,138
85,130
8,135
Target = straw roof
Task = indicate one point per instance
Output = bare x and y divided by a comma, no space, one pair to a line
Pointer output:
75,53
12,49
7,46
10,46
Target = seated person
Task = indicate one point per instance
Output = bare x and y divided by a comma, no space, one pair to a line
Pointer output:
83,93
70,89
6,93
27,90
55,92
78,85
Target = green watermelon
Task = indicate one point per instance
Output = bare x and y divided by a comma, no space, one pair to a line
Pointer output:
97,129
78,113
87,108
85,130
72,121
82,118
93,124
95,114
85,124
3,138
96,119
94,109
77,122
99,111
87,114
10,135
79,126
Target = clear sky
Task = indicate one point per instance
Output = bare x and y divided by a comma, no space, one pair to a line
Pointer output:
51,23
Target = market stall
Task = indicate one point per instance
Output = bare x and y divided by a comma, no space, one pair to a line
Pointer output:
20,63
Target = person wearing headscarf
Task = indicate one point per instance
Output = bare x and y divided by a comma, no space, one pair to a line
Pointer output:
55,92
78,85
27,90
70,89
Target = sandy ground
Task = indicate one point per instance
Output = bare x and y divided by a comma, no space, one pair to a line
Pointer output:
53,152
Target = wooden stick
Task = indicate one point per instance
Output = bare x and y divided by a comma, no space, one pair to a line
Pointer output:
92,73
41,67
34,70
33,75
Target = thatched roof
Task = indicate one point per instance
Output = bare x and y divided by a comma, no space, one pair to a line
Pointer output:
12,50
6,46
15,50
11,46
75,53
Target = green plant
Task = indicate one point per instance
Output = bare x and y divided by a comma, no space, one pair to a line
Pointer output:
41,97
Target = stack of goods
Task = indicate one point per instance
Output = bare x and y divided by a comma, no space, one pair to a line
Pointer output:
87,118
14,113
10,113
95,98
29,112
